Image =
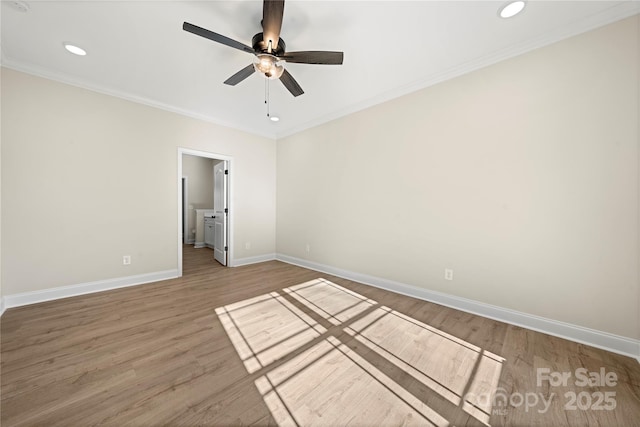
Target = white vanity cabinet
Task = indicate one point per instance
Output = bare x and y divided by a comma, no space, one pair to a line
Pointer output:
209,231
201,214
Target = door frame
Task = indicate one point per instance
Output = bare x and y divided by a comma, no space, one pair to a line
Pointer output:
230,217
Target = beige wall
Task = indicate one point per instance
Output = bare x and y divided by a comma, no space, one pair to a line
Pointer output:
88,178
522,177
199,171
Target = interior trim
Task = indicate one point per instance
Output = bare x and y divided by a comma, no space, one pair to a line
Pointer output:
253,260
603,340
613,14
599,339
26,298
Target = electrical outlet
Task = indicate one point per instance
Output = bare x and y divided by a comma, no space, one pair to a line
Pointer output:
247,245
308,248
126,259
448,274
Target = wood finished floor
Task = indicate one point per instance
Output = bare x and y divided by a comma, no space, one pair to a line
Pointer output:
271,344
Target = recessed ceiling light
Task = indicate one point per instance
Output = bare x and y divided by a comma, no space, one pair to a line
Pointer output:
274,118
511,9
75,49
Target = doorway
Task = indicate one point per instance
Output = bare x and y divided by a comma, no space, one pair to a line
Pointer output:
224,227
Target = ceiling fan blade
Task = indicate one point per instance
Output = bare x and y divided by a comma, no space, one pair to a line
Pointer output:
272,11
240,75
216,37
291,84
314,57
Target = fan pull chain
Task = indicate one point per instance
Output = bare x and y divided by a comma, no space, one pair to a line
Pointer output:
266,95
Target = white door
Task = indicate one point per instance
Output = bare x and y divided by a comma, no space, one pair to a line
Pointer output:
185,210
220,172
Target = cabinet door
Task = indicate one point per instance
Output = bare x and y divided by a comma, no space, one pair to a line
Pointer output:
209,233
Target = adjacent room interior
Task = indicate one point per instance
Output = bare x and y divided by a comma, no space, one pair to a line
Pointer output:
459,249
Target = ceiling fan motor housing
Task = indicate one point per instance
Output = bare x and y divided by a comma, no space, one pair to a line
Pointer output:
259,45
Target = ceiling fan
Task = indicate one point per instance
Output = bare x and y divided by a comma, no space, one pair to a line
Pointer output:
269,50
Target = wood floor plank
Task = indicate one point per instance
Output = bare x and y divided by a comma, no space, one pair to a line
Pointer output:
274,344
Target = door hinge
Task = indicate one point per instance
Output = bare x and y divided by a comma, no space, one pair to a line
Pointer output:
226,210
226,248
226,171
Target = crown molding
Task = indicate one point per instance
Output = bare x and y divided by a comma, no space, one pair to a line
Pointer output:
609,16
61,78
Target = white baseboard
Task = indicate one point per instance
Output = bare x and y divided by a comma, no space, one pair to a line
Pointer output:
199,245
1,306
604,340
253,260
26,298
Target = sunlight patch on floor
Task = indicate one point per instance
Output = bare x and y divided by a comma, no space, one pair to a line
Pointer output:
331,301
266,328
311,375
330,385
448,365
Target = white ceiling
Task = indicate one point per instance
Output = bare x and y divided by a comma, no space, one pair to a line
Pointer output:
137,50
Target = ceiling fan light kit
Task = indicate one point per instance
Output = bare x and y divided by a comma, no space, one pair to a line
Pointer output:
269,50
268,65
